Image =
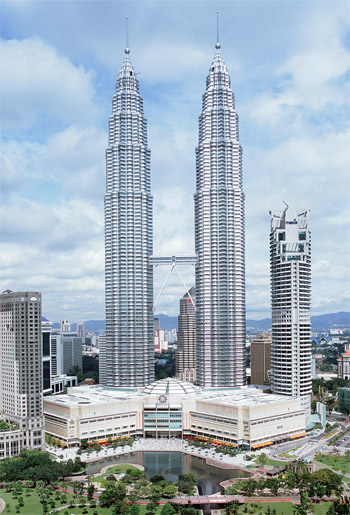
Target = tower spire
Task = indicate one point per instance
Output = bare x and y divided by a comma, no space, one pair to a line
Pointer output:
217,44
127,49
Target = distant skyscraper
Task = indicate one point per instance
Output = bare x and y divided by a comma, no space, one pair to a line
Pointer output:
81,331
21,381
290,265
129,346
186,339
72,352
46,328
65,325
260,359
156,324
219,236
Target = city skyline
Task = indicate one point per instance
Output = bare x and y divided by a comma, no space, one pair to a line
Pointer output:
292,104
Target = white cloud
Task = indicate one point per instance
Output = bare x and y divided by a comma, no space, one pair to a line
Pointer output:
39,86
292,109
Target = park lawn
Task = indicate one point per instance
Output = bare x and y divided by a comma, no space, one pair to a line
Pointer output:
340,463
282,508
271,462
32,505
113,469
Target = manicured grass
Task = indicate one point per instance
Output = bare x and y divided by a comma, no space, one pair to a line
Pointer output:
282,508
288,455
32,505
113,469
341,463
273,463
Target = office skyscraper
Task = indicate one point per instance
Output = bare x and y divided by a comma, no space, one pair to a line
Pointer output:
128,353
290,265
260,359
186,339
21,381
46,329
219,236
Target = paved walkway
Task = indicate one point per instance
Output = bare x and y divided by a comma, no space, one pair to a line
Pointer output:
150,444
2,504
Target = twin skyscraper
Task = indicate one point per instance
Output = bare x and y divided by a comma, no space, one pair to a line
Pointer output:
127,354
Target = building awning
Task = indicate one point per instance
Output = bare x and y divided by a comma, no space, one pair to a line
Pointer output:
263,444
220,442
299,435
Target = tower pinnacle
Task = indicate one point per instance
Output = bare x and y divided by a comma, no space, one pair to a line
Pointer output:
127,49
217,44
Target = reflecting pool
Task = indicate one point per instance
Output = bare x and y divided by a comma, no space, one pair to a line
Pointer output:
170,465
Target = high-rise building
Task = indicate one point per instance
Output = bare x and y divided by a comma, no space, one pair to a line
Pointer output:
260,358
66,326
81,331
66,352
344,365
219,236
156,324
129,353
21,381
46,328
72,352
185,363
160,344
290,267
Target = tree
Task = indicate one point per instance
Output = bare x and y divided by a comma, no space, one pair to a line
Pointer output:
169,491
185,488
262,459
340,506
188,478
168,509
90,491
75,370
157,478
112,492
120,507
232,508
303,507
273,484
251,486
134,509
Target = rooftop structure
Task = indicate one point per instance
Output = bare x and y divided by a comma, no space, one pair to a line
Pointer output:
244,417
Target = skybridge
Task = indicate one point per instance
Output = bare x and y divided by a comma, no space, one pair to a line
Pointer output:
174,262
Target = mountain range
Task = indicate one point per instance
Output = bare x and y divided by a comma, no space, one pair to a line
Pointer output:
325,322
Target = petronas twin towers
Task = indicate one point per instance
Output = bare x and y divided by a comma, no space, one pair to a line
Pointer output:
127,353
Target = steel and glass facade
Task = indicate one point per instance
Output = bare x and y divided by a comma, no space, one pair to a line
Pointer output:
219,236
128,345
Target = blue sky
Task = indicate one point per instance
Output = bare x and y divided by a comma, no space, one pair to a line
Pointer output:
289,68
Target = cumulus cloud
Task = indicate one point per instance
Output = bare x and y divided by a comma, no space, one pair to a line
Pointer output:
39,86
292,106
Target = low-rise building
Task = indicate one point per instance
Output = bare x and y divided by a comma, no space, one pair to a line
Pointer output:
242,417
344,365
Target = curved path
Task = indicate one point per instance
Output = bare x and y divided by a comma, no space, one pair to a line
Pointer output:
2,505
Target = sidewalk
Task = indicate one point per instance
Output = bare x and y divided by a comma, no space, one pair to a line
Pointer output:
149,444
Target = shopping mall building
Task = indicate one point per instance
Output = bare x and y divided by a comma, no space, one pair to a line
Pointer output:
243,417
